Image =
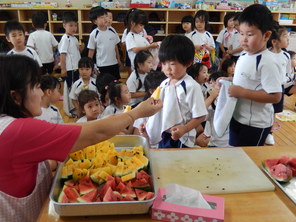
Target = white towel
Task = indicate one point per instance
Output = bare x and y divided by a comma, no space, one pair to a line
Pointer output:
169,116
224,108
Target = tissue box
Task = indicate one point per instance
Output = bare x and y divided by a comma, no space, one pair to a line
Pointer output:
166,211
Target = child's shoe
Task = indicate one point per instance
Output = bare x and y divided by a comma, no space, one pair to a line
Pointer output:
270,139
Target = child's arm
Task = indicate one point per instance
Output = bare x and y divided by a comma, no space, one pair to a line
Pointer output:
118,56
178,131
260,96
91,53
213,95
63,64
151,46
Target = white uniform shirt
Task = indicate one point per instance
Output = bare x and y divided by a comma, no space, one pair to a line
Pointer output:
234,41
283,59
225,36
80,85
84,119
124,34
132,85
69,45
134,40
110,110
27,52
256,72
105,43
43,42
201,38
290,78
50,114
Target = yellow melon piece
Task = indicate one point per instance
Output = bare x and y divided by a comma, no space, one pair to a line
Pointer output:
104,175
119,169
128,176
139,150
127,108
85,164
69,162
78,155
78,173
143,159
90,152
156,93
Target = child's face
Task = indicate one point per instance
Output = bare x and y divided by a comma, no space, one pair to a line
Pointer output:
293,61
284,39
70,27
109,18
187,27
252,39
137,28
17,38
236,24
33,100
101,21
230,23
85,72
92,109
54,95
173,69
230,70
200,24
146,66
125,95
203,75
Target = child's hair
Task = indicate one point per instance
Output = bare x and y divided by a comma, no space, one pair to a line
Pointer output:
108,10
226,63
195,69
86,96
227,17
214,76
114,90
86,62
96,12
140,58
202,15
177,47
137,16
236,16
102,82
152,81
49,82
190,19
291,53
69,17
39,19
277,31
18,73
259,16
13,25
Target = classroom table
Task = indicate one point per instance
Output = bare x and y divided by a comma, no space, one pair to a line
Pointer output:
271,206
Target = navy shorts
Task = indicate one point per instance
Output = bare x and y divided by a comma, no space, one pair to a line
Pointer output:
243,135
287,90
168,142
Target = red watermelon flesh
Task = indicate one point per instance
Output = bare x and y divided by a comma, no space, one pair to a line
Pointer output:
292,166
149,195
89,197
120,187
270,163
281,173
71,194
143,175
141,184
128,198
284,159
112,195
86,185
141,194
128,192
63,198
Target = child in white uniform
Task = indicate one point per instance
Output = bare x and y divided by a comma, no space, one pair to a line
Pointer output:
15,34
235,48
90,107
103,40
143,65
256,82
43,42
135,41
86,68
289,86
50,87
187,23
224,37
183,105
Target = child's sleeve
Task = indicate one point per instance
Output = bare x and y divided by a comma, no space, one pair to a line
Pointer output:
64,44
31,41
54,42
132,83
220,36
196,99
130,42
91,42
72,94
211,41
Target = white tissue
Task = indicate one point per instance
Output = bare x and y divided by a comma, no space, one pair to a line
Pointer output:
185,196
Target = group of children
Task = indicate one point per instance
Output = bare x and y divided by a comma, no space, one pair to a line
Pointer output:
94,96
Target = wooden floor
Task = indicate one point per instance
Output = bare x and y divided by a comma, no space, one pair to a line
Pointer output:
284,132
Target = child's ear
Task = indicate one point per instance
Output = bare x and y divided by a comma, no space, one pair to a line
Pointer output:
8,39
48,92
267,35
16,97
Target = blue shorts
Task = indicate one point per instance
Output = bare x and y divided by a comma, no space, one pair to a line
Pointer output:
168,142
243,135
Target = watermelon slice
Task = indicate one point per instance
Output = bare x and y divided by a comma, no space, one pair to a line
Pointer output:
112,196
292,166
149,195
63,198
86,185
89,197
141,194
281,173
71,194
141,184
128,198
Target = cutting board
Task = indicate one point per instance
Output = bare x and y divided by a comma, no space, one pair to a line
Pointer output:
211,171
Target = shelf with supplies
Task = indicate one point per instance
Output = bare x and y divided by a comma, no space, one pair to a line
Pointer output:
162,21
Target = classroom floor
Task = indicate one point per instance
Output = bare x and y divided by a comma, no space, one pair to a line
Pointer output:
284,131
